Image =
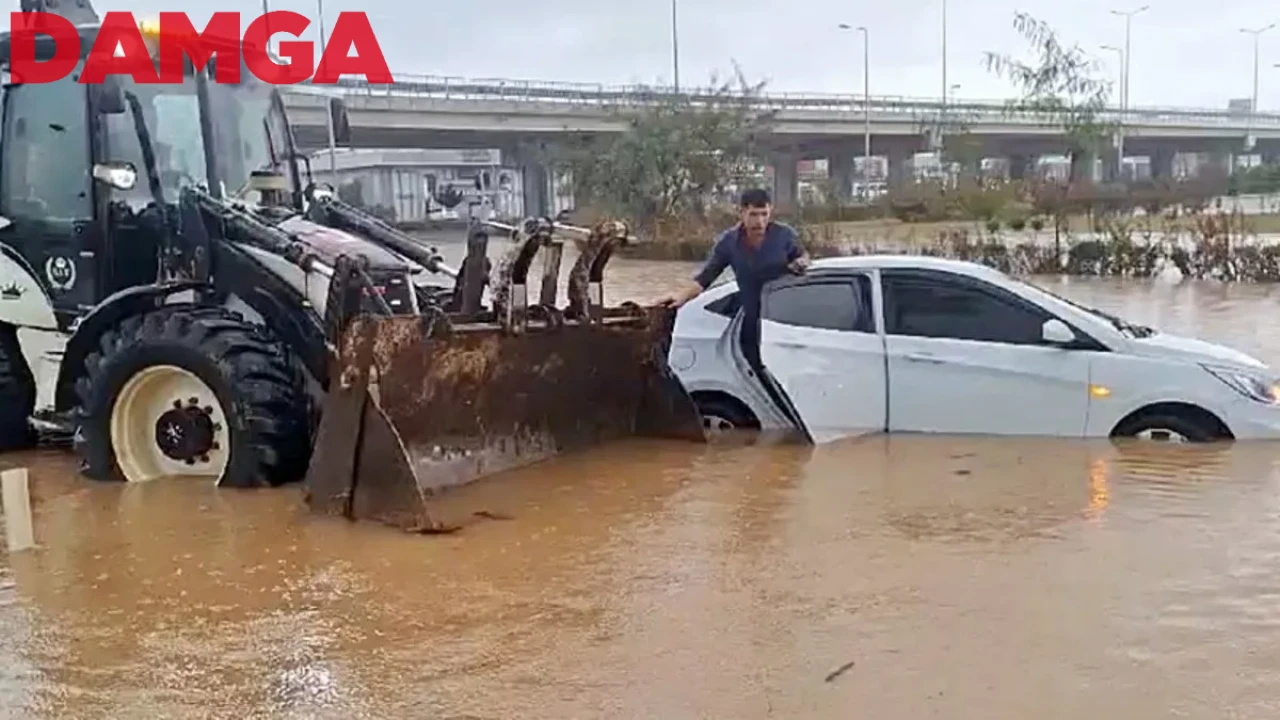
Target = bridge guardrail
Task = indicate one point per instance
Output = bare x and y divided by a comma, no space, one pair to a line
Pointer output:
924,110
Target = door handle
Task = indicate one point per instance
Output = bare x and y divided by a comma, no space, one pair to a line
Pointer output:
923,358
791,345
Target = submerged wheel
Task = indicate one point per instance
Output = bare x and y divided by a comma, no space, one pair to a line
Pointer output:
17,394
1167,428
193,392
722,414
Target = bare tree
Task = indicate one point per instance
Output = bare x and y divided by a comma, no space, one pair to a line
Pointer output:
1061,84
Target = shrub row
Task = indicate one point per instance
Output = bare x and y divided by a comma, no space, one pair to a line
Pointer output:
1215,247
1016,204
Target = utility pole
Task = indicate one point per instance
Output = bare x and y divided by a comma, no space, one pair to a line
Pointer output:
675,44
866,98
1124,84
266,8
1253,108
1121,54
945,85
333,138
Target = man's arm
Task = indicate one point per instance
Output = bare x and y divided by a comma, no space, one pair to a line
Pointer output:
797,258
717,262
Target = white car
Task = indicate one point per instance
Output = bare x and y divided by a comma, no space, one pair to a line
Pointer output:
871,344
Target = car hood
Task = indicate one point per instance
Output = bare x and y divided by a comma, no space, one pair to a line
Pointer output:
1165,345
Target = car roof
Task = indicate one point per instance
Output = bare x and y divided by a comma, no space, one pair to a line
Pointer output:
886,261
914,262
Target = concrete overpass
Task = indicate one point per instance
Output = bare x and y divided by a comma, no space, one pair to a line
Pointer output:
522,118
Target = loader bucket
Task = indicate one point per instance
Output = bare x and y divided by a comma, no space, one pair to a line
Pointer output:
418,405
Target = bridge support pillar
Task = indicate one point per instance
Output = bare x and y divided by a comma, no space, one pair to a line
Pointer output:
1084,167
840,171
901,167
1111,168
1222,162
535,180
1162,163
786,181
1022,166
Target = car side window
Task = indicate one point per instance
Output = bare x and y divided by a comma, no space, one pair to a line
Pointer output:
47,158
823,303
933,307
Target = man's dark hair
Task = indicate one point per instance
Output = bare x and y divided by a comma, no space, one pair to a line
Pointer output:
755,198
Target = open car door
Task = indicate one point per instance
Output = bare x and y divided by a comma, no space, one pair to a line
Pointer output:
824,358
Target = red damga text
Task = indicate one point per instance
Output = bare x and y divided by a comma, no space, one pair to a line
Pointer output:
156,55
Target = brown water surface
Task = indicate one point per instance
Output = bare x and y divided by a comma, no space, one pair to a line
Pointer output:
902,577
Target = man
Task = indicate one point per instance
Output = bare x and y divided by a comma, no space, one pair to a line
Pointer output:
759,250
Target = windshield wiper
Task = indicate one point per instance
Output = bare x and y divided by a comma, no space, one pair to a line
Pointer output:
1137,331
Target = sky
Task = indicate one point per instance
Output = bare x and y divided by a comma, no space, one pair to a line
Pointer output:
1185,53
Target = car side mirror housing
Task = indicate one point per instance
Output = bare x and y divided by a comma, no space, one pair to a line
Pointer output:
1056,332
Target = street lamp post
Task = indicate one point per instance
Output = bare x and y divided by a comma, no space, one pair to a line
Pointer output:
945,86
333,138
866,97
1123,105
1124,85
675,45
1253,107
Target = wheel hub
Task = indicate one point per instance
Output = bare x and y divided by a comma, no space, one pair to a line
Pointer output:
187,431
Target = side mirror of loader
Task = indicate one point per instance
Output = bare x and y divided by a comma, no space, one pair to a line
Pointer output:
119,175
341,121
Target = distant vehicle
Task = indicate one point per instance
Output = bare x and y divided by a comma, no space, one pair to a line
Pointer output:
916,344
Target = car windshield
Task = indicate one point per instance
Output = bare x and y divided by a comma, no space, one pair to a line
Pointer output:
1131,329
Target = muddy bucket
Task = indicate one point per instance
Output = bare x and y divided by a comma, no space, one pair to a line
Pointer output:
419,405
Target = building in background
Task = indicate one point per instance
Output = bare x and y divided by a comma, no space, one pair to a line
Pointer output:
411,186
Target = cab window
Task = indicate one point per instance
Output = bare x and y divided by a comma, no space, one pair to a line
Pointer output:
47,160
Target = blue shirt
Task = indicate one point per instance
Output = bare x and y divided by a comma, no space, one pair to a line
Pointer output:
753,267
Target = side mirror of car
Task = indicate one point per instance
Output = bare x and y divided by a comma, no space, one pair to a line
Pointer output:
1056,332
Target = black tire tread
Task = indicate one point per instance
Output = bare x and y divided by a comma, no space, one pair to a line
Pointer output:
732,410
269,399
1189,427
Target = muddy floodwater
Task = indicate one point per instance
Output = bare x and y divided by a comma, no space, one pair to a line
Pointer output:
885,578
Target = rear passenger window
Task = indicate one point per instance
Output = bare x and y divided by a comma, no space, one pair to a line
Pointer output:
825,304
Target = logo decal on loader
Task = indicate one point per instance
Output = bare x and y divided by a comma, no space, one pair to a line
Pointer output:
11,291
61,272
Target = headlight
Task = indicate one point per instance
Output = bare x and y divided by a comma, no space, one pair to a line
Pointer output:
1256,388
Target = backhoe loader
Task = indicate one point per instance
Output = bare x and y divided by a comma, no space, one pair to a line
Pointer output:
178,295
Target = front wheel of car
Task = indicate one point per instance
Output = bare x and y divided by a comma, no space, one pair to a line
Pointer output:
721,415
1167,428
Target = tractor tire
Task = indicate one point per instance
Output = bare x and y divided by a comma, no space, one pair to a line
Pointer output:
17,395
188,390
